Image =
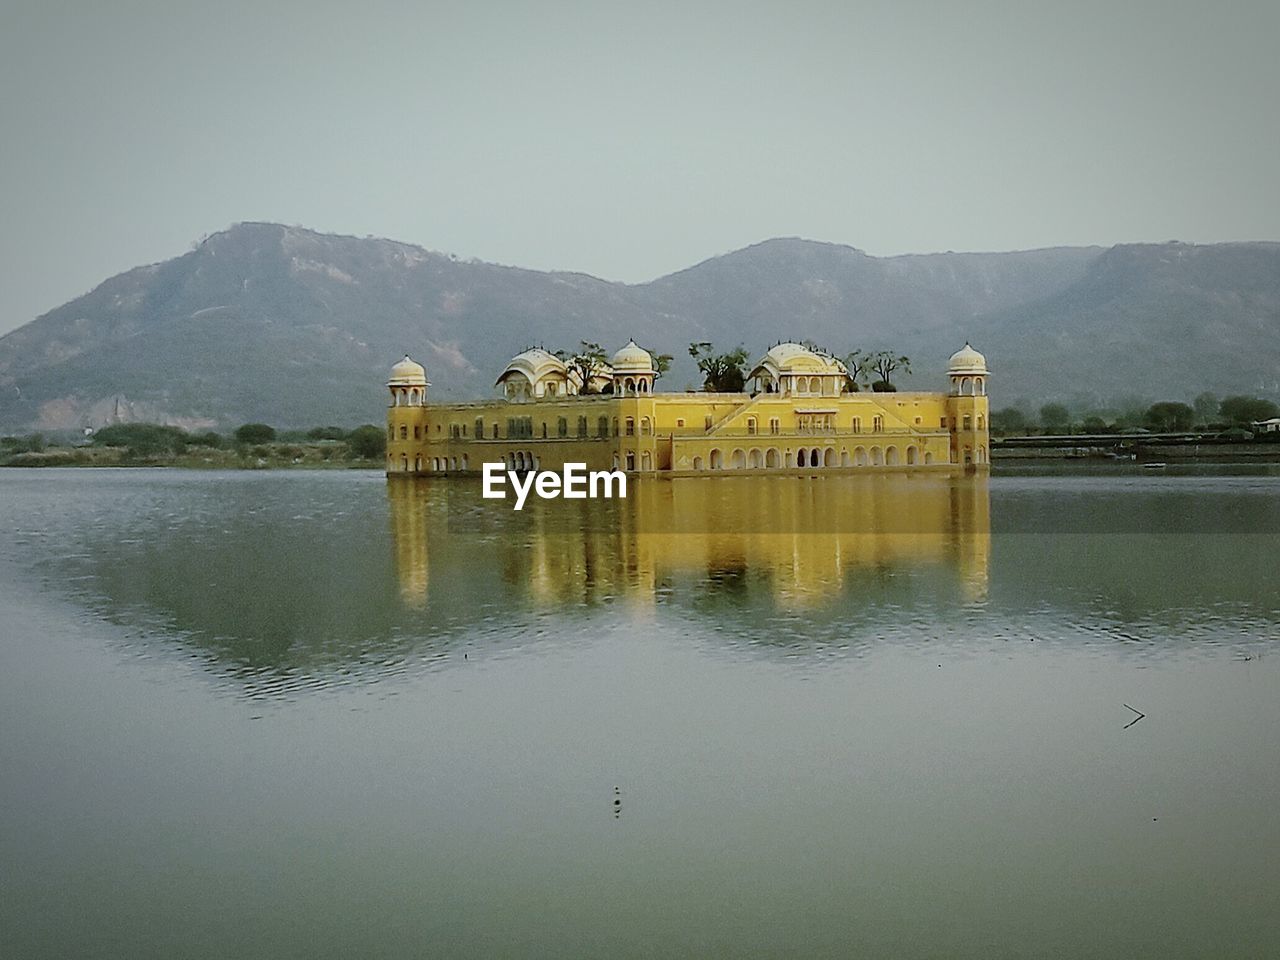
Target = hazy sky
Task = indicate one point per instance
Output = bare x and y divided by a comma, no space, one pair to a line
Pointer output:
627,139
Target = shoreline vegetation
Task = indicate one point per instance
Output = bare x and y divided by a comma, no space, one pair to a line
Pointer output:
1237,418
250,447
1208,429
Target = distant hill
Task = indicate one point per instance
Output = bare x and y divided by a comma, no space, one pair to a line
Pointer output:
296,328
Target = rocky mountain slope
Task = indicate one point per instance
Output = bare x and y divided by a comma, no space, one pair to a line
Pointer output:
281,324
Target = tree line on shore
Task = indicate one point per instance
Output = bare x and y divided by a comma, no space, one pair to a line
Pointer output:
1232,416
150,441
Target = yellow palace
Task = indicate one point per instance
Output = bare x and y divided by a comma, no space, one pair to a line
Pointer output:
801,415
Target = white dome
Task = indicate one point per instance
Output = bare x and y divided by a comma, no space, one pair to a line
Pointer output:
534,364
632,359
967,360
406,373
788,358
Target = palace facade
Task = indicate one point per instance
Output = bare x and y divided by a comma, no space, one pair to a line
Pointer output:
802,415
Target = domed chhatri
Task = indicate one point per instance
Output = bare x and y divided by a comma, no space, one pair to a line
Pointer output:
967,360
534,374
408,384
633,370
793,369
632,358
967,371
800,413
407,373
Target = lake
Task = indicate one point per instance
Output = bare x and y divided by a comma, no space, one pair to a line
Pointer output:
320,714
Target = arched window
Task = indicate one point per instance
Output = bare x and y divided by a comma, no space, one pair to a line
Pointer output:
602,427
751,426
802,458
631,426
755,459
404,432
646,461
813,457
646,427
717,460
981,421
697,463
891,456
772,458
912,453
615,426
562,427
829,457
738,460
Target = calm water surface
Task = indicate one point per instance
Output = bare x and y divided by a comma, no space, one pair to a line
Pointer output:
320,715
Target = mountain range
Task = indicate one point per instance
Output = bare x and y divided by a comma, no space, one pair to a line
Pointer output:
265,322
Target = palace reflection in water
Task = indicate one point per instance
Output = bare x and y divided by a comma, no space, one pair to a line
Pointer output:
799,540
331,577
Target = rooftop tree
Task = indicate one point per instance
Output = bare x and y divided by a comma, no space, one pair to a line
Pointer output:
722,372
586,362
884,364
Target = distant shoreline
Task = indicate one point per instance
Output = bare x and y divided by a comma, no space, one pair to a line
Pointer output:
1059,449
204,459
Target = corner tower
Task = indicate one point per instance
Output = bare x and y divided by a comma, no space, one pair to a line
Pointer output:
967,412
406,416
